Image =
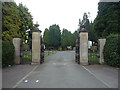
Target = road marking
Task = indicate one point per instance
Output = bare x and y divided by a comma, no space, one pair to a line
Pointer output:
96,77
25,81
37,80
24,78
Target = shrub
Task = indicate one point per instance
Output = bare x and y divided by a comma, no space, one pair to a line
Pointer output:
7,53
111,50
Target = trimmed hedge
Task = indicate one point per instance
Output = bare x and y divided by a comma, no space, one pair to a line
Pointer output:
111,50
7,53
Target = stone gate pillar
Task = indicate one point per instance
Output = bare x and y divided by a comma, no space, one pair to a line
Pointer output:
17,43
83,48
101,47
36,47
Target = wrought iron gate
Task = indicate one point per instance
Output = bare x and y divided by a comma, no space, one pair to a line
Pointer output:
93,54
77,55
42,51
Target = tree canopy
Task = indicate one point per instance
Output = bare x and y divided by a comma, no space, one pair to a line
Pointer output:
52,37
16,20
67,39
26,20
89,27
46,37
106,21
10,20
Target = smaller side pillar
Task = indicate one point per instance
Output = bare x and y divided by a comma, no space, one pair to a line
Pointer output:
83,48
17,43
101,47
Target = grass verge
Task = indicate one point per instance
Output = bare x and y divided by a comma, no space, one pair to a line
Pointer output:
27,55
48,53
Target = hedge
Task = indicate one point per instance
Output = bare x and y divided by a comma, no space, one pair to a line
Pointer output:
7,53
111,50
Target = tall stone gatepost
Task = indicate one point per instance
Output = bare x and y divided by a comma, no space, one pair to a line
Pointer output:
36,47
17,44
83,47
101,47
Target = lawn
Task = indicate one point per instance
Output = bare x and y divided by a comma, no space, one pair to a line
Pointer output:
93,56
47,53
27,55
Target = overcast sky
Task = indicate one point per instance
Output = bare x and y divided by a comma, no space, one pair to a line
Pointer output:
65,13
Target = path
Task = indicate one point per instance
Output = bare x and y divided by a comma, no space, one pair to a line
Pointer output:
61,71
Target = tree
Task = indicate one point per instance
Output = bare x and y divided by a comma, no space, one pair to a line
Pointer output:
16,21
75,36
10,20
106,21
89,27
91,33
64,38
67,39
26,21
54,36
46,38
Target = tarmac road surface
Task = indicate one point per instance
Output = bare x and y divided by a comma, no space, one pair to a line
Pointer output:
60,71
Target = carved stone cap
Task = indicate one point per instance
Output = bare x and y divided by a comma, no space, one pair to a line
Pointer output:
83,30
37,31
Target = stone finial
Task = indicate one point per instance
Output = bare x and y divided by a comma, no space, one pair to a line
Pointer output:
36,29
36,25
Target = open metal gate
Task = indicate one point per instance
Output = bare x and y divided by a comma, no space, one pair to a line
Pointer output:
42,51
77,55
93,54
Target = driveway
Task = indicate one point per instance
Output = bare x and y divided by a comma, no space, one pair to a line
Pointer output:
60,71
